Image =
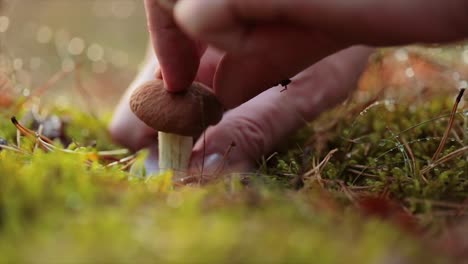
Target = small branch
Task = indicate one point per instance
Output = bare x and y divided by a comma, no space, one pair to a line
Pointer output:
39,133
28,132
129,160
7,147
321,165
445,158
449,127
226,154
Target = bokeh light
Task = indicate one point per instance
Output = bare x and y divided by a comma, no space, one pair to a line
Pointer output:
409,72
4,23
17,64
401,55
76,46
44,34
106,38
465,56
26,92
95,52
463,85
123,8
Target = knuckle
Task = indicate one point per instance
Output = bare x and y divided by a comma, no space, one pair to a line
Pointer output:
249,137
115,132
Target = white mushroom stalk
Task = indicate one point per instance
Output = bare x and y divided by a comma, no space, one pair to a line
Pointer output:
174,152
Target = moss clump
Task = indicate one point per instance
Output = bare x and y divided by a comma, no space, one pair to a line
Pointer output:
384,147
70,203
57,208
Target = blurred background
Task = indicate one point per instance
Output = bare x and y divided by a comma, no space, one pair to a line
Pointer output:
94,44
84,52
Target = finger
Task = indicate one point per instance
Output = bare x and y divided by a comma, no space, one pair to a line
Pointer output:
126,128
178,55
257,126
299,34
240,77
265,56
227,23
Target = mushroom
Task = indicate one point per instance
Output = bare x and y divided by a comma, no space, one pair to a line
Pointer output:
178,118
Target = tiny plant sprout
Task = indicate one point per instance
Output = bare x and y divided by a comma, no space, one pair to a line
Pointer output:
178,117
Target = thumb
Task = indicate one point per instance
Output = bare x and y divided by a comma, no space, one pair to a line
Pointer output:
253,129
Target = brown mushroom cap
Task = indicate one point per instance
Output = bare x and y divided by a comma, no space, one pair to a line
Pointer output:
187,113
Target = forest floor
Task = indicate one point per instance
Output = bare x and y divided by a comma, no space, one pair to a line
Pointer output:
384,182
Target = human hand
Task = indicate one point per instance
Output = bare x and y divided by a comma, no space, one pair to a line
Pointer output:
240,74
285,40
302,32
257,126
179,58
299,32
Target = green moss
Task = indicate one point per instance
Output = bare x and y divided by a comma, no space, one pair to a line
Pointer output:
387,146
67,211
70,206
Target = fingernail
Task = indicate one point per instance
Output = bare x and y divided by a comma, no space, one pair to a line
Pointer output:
213,162
151,162
151,166
209,165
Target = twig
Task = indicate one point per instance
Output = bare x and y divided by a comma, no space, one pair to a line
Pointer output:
449,127
348,193
445,158
321,165
129,163
123,160
117,152
39,133
7,147
28,132
361,173
225,157
413,159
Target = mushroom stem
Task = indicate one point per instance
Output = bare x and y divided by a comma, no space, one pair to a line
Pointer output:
174,152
